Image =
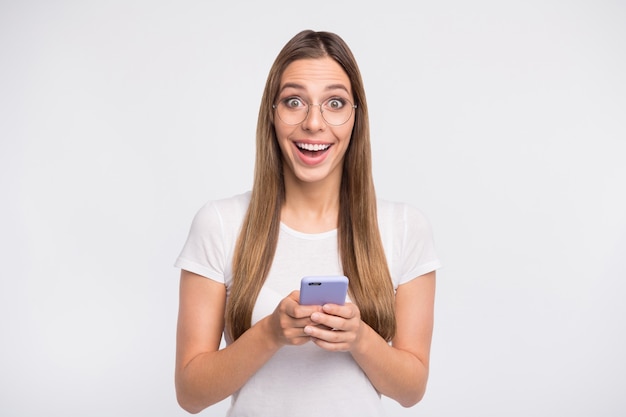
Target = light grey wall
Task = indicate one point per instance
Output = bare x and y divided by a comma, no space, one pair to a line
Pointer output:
505,122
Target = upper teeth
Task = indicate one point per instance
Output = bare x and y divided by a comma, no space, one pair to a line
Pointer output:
313,146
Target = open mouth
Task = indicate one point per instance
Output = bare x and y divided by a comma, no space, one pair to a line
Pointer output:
312,149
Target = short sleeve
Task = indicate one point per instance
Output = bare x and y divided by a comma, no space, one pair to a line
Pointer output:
408,241
418,254
211,241
204,252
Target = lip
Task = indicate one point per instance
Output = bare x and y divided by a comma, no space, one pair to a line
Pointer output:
309,158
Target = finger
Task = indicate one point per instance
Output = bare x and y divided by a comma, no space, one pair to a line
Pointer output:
297,340
299,311
293,309
347,311
300,323
332,322
321,326
328,336
333,347
295,295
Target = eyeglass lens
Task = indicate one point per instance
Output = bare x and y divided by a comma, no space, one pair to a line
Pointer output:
334,111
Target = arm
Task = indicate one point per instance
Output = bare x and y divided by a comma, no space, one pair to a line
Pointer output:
399,371
204,373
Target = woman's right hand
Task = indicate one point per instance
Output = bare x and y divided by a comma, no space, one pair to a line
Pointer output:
204,372
288,320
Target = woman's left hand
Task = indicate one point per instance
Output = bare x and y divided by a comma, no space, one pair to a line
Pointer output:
338,327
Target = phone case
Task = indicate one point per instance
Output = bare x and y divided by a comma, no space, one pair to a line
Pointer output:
326,289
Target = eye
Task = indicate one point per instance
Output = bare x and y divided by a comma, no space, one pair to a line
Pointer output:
335,103
293,103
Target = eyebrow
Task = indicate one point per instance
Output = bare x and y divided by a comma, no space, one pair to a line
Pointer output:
328,87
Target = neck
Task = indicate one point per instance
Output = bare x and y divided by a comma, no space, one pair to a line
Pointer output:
311,207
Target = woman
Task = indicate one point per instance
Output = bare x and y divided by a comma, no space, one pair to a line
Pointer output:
312,211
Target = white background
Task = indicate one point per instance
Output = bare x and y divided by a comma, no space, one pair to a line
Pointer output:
505,122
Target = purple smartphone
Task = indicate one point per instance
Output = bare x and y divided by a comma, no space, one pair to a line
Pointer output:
323,289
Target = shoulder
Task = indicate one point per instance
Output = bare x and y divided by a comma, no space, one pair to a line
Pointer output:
396,215
237,203
408,240
224,211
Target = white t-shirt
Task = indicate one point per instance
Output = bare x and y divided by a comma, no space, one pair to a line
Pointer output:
300,381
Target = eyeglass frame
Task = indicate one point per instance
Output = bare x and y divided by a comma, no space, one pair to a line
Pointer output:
309,105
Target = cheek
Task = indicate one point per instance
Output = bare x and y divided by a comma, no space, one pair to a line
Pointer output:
283,132
282,137
280,134
346,134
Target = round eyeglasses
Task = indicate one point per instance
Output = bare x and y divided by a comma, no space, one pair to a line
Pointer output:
335,111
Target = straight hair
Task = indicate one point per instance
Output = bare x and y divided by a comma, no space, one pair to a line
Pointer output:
360,245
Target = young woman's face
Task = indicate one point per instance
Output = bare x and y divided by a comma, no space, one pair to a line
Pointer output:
313,149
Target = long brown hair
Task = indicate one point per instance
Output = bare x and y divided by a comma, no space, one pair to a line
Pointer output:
360,246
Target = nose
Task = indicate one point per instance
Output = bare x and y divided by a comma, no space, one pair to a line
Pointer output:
314,119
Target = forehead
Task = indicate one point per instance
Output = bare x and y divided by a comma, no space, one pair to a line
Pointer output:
314,74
